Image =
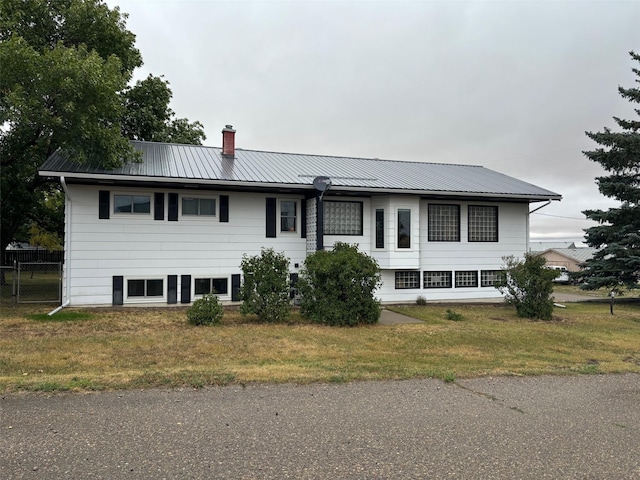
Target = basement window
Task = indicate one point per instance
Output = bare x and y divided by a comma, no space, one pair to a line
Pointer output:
145,288
407,279
204,286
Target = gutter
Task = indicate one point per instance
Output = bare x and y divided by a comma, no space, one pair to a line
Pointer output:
67,262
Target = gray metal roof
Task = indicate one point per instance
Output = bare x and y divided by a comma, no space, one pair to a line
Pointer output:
579,254
206,165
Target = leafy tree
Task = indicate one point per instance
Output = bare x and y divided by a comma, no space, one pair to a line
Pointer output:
337,287
65,69
148,116
528,285
265,288
617,264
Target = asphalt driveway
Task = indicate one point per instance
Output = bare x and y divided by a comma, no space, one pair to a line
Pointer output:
579,427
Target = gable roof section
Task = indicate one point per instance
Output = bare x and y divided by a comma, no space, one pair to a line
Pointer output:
194,164
579,255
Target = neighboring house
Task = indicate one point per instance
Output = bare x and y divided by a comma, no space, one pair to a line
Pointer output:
536,247
175,226
570,258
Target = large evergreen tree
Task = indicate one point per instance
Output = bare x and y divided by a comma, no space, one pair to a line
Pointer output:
64,70
617,264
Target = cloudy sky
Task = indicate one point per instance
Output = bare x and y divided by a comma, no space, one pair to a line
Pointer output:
510,85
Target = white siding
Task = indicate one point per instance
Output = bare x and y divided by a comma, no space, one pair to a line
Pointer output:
135,246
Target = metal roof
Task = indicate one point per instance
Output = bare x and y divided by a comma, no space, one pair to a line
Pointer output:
164,162
580,255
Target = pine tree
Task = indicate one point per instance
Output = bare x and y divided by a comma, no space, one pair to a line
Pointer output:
617,264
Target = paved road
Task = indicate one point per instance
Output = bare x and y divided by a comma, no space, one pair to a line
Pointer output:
582,427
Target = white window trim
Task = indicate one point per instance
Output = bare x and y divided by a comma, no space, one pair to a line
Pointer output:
130,194
199,217
279,230
412,234
222,296
145,299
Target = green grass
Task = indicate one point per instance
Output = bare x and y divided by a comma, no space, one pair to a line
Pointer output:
115,348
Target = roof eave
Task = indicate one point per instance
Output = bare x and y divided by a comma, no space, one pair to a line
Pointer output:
106,178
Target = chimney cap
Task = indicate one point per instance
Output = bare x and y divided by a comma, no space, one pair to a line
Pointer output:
228,128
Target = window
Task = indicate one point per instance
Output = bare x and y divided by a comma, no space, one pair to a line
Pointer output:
444,223
379,228
342,218
488,278
407,280
404,228
467,279
199,206
483,224
288,216
132,204
437,280
145,288
204,286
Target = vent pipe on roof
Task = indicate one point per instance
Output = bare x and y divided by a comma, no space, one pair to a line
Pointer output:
228,141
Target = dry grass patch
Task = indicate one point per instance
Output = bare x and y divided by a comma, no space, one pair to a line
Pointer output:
132,348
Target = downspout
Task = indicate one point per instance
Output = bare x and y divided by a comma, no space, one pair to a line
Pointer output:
67,242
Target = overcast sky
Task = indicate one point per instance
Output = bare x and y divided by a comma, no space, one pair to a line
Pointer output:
510,85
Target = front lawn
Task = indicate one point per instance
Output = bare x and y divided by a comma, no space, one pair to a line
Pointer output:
137,348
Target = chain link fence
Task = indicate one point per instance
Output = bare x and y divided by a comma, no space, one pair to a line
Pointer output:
31,282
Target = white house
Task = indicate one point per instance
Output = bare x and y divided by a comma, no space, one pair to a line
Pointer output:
175,226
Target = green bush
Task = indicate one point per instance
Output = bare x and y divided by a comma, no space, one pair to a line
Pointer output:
337,287
422,301
528,285
205,311
453,315
265,289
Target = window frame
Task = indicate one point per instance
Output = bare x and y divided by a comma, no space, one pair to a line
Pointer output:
360,214
379,228
446,274
295,217
477,229
485,282
431,218
132,204
407,229
466,279
214,198
145,287
407,283
211,281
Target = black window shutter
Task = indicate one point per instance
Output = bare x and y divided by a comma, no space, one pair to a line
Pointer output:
118,290
158,206
235,287
173,207
271,217
293,281
103,204
224,208
185,289
172,289
303,218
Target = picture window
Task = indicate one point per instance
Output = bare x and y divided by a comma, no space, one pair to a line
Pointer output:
145,288
199,206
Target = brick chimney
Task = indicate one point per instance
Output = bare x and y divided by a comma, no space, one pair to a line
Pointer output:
228,141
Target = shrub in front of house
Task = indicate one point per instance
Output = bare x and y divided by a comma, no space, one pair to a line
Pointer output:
528,285
337,287
265,288
205,311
